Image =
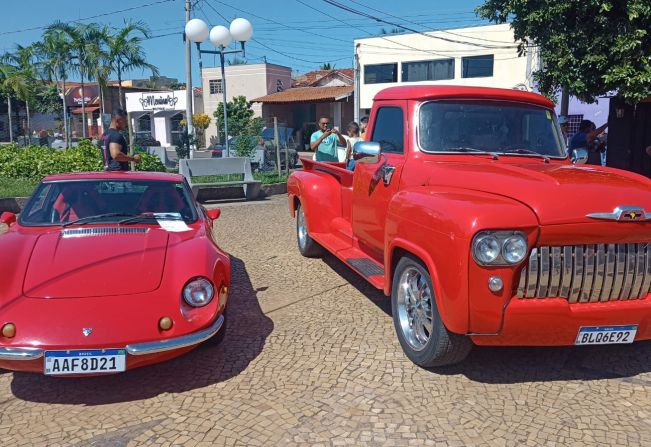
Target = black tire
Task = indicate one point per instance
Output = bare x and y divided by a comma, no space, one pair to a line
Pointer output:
441,347
306,245
219,336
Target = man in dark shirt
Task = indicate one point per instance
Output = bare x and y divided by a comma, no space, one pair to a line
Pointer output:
115,148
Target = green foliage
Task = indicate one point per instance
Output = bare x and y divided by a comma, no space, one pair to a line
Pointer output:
16,187
48,100
240,118
35,162
245,146
592,47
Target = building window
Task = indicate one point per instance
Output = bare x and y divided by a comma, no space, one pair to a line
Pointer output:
575,121
435,70
380,73
215,86
477,66
389,129
144,123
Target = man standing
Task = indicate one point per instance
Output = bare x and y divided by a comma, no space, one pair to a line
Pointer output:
115,149
324,141
587,138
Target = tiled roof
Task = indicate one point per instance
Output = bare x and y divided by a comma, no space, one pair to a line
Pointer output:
307,94
312,77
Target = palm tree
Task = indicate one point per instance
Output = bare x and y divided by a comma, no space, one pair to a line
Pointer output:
97,57
23,78
54,62
126,52
10,81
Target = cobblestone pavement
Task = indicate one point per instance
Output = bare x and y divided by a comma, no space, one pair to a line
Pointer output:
310,358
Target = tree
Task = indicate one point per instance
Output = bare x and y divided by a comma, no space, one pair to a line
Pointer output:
327,66
592,47
394,30
125,52
24,76
237,61
97,58
48,100
10,81
201,121
240,118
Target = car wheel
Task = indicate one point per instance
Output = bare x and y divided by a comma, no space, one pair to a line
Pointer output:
219,336
306,245
421,332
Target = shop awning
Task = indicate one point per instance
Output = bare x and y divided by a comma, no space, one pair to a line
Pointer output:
308,94
90,109
168,113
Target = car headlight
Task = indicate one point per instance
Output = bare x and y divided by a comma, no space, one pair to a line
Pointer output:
499,247
198,292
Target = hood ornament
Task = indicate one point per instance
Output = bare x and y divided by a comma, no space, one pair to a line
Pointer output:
623,214
87,331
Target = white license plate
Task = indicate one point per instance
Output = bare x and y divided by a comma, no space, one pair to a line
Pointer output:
606,335
94,361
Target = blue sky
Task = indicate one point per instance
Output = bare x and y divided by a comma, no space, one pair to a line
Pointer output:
300,34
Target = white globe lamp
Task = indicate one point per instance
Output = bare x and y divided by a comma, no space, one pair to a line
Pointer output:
220,36
196,30
241,30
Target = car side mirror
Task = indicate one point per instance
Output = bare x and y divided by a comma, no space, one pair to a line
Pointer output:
214,213
366,152
7,218
579,156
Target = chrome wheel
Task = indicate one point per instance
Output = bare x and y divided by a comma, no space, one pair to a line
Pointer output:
301,229
415,308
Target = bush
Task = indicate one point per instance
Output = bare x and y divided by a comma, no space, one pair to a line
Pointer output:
35,162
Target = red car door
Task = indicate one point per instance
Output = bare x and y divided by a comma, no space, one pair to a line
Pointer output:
374,184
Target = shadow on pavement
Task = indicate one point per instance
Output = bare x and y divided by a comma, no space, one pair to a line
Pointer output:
505,365
246,332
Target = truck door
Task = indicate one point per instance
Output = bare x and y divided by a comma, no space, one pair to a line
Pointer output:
374,184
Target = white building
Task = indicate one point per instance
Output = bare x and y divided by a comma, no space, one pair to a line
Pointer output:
484,56
157,114
248,80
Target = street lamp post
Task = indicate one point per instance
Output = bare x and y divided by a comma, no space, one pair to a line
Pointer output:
220,36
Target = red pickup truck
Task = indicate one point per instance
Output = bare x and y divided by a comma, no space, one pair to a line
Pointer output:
464,207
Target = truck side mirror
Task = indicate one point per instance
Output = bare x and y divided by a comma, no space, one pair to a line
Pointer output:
579,156
366,152
7,218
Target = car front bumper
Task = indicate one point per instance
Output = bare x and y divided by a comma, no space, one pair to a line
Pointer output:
9,355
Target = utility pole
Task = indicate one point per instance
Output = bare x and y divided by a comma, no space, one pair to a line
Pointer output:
188,77
565,101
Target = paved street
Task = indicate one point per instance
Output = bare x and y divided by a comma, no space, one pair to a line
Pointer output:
310,358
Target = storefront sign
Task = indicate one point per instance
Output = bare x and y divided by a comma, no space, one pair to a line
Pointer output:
74,98
158,101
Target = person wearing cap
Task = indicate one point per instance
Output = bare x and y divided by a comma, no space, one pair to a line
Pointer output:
564,122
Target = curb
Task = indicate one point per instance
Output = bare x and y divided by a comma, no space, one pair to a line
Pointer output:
16,204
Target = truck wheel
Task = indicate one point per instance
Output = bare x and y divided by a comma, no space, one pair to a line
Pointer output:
422,335
306,245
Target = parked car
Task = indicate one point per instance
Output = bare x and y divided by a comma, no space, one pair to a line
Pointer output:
109,272
465,209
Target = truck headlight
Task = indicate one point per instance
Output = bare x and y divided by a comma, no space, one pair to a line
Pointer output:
499,247
198,292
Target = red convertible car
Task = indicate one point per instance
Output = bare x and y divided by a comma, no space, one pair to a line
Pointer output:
104,272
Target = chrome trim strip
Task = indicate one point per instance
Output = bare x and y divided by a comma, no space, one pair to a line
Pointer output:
171,344
577,273
623,213
522,285
599,274
101,231
543,273
566,281
646,283
588,274
21,354
638,277
609,277
619,272
630,271
532,273
556,272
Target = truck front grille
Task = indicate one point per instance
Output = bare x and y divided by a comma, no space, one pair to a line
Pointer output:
588,273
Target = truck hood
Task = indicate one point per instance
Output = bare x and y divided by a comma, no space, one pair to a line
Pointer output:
96,261
557,193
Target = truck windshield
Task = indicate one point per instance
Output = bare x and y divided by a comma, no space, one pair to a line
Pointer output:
489,126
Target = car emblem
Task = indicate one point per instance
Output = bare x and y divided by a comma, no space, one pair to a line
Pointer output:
623,214
87,331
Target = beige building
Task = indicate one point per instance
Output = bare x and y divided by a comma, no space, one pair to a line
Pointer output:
484,56
249,80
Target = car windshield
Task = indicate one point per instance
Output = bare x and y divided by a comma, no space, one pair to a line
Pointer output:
489,126
107,201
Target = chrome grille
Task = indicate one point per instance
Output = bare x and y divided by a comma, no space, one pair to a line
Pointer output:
101,231
588,273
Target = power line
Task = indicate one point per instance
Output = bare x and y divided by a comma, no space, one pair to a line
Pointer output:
91,17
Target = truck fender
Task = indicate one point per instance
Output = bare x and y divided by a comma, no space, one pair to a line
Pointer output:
437,226
320,196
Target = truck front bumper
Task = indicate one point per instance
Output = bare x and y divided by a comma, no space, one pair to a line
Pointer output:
555,322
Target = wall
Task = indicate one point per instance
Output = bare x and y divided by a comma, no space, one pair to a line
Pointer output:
509,70
250,80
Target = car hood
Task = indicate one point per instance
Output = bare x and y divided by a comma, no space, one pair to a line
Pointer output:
557,193
95,261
